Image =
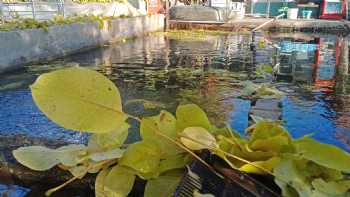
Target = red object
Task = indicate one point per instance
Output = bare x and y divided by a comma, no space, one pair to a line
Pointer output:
326,85
154,6
333,15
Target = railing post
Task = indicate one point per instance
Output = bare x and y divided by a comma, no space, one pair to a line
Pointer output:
33,8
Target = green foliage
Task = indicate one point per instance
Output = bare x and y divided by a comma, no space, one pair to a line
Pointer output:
163,186
29,23
164,123
255,91
84,100
143,156
197,138
42,158
67,101
119,181
198,117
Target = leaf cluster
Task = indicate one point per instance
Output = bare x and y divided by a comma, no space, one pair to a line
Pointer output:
29,23
84,100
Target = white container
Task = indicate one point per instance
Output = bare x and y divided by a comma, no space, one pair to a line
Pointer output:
292,13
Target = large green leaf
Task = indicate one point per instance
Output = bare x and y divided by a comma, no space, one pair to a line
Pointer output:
190,115
333,187
197,138
163,186
323,154
111,140
79,99
165,123
100,183
174,162
143,156
41,158
119,182
36,157
288,172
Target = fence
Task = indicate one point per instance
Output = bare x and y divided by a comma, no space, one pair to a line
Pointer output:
38,10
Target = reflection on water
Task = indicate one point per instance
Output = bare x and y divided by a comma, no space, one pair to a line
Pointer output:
205,70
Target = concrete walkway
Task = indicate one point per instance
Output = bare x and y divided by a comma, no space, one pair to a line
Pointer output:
305,25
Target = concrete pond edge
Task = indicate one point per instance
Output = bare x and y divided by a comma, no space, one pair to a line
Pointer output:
20,47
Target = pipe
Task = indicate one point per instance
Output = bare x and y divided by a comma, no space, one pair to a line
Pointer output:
267,22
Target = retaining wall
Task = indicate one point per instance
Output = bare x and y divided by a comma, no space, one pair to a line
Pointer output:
20,47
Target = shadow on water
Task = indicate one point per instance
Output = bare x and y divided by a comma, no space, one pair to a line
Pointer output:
311,69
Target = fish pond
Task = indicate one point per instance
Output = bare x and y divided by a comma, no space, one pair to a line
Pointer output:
163,70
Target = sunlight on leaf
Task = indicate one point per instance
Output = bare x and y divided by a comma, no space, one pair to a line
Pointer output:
269,165
99,183
79,99
197,138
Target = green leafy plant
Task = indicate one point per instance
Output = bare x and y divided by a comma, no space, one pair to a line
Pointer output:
29,23
84,100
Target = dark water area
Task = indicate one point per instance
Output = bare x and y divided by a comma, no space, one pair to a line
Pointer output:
311,69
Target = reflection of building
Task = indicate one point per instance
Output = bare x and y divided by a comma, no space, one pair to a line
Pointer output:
314,61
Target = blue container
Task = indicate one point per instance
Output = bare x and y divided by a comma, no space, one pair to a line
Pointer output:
307,14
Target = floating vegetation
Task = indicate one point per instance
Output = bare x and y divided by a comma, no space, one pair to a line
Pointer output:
254,91
195,34
84,100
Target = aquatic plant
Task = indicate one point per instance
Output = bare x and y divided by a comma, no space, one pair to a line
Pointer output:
84,100
29,23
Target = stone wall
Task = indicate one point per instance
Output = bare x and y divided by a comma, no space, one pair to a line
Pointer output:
20,47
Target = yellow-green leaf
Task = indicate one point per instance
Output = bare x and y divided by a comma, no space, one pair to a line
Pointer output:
41,158
191,115
333,187
174,162
164,123
268,165
119,181
70,155
111,140
99,183
107,155
197,138
323,154
143,156
287,171
163,186
79,99
36,157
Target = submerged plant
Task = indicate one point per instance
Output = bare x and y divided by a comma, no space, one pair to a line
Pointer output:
84,100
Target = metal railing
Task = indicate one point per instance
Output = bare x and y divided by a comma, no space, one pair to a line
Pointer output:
38,10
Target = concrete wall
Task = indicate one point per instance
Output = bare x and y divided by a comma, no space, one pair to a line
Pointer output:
21,47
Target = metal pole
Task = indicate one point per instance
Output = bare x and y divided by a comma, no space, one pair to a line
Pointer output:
33,9
268,9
